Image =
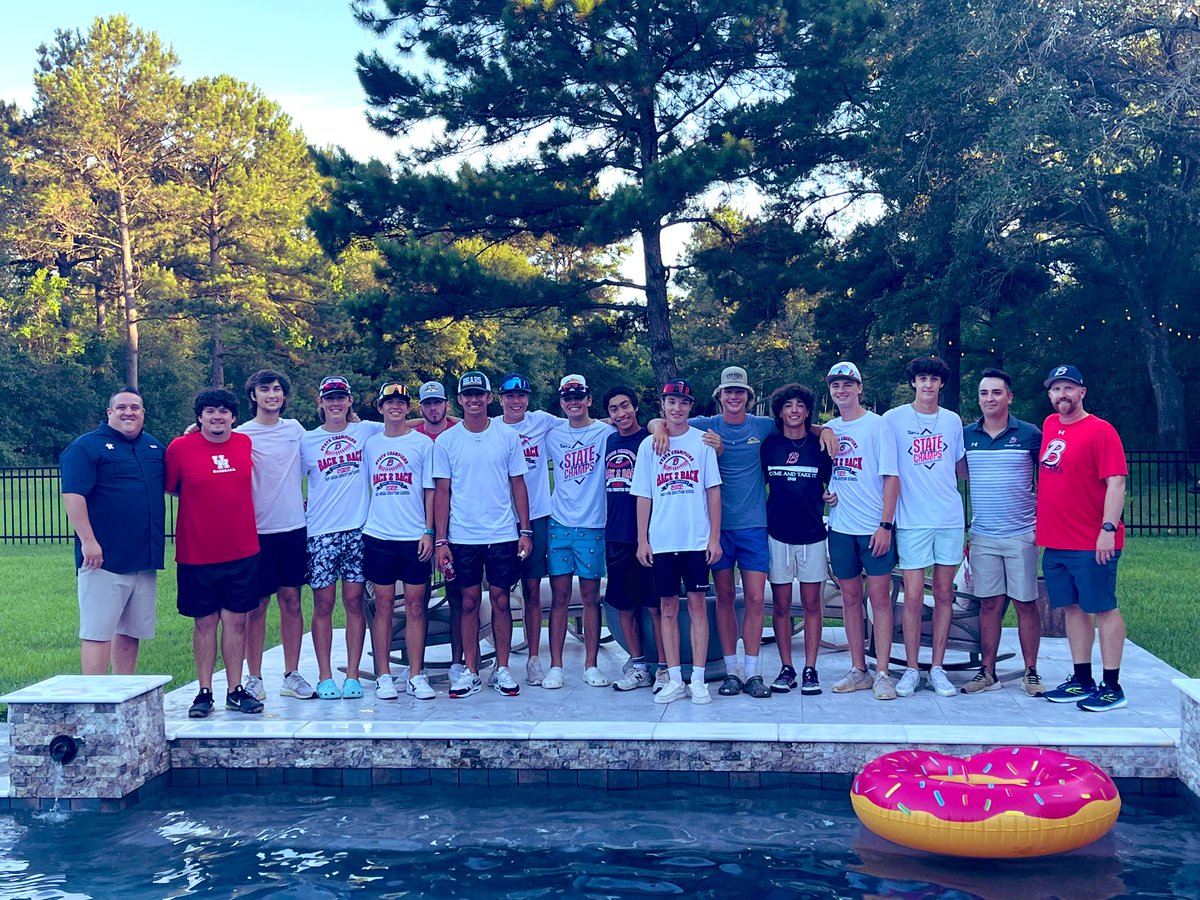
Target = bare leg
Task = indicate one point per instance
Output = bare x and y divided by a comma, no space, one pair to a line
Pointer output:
991,610
943,610
1111,626
356,625
727,627
469,623
854,619
754,585
454,598
95,656
560,599
698,612
415,599
631,627
1029,629
322,628
669,609
204,648
1080,634
256,636
531,591
656,627
502,626
810,599
781,621
233,646
124,654
879,590
914,609
381,626
291,627
589,593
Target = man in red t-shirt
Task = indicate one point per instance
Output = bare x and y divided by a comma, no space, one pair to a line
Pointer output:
1081,493
216,544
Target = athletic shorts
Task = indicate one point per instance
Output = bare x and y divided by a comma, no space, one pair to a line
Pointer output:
212,587
1074,578
921,548
850,556
335,557
1004,566
747,547
499,561
386,562
112,604
282,560
630,584
687,569
534,565
575,551
806,563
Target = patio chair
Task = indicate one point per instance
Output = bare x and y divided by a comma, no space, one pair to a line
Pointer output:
574,612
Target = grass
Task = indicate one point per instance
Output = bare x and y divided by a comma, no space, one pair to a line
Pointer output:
1158,585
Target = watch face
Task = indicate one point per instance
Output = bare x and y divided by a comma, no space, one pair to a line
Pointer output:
1109,526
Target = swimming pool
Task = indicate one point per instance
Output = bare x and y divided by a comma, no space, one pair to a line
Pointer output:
440,842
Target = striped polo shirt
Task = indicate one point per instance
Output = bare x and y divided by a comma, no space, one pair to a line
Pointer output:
1003,502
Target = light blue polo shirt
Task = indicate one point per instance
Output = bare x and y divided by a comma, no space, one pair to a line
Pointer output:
1003,501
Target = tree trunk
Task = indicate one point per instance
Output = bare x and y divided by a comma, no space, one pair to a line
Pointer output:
128,295
949,348
658,310
214,266
218,354
1164,382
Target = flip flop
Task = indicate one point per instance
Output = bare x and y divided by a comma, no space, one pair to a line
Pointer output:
352,689
328,690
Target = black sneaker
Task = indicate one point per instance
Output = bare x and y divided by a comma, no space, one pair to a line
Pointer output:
1070,691
785,681
239,700
1104,699
202,705
809,683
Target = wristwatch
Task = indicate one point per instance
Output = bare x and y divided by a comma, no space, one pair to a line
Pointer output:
887,526
1109,527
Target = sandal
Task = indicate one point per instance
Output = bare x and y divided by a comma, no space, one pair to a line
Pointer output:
756,687
594,677
731,686
352,689
328,690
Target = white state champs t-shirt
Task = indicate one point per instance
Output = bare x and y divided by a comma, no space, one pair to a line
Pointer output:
578,500
532,431
337,481
276,479
399,471
866,453
480,466
927,448
676,483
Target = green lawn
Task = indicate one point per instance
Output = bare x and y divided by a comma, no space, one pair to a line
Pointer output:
1159,586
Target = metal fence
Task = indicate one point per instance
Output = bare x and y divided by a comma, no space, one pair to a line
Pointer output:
1163,497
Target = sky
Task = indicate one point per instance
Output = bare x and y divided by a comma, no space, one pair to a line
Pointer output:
299,53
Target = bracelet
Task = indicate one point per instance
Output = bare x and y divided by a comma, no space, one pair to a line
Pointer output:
429,531
525,532
441,543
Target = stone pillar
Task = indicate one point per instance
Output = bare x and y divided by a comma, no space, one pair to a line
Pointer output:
116,721
1188,759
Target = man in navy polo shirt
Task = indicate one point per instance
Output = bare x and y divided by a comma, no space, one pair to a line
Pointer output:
1002,453
112,484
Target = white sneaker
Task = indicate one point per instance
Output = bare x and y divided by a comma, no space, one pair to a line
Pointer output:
554,679
674,690
699,692
534,674
296,685
941,684
632,680
661,679
908,683
253,685
418,686
465,684
504,683
385,688
456,671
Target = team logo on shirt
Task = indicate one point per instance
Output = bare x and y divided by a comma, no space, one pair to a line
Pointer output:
579,462
340,456
1052,457
618,471
532,451
221,463
927,449
849,461
393,475
679,473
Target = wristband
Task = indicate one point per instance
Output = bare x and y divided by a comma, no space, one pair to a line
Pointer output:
441,543
429,531
525,532
887,526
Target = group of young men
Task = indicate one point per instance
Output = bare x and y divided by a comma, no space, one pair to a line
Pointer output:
655,508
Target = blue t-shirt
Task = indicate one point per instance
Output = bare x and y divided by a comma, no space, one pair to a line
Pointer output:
122,482
743,495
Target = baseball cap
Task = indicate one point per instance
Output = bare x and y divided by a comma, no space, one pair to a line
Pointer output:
734,377
1063,373
431,390
844,369
333,386
514,382
473,381
678,388
393,389
573,384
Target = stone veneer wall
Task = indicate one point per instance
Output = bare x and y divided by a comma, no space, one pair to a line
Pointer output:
124,747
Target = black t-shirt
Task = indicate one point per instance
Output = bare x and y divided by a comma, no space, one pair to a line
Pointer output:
796,473
619,456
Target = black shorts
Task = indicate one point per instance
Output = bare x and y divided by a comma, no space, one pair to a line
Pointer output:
500,560
282,560
687,569
386,562
212,587
630,584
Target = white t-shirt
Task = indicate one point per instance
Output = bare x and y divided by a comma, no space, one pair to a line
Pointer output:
927,448
399,471
480,466
337,479
276,479
866,453
578,500
676,483
532,431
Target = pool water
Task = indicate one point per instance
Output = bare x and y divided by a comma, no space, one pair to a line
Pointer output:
450,842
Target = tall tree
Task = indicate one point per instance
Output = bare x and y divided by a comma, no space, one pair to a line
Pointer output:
101,145
596,123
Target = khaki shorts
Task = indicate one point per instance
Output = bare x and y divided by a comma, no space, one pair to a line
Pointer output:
1004,567
112,604
806,563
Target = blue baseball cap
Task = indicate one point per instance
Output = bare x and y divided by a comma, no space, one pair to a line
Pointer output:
1063,373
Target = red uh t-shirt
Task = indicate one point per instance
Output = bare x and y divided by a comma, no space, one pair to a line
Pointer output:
216,510
1073,463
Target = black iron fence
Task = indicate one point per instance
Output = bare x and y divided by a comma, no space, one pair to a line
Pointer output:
1163,497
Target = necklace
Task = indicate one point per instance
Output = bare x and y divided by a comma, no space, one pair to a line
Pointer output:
797,444
928,426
